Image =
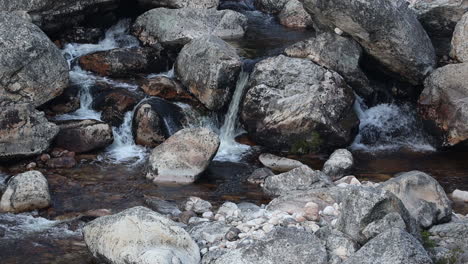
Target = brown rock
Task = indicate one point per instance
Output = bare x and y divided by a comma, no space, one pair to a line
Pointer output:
166,88
114,103
62,162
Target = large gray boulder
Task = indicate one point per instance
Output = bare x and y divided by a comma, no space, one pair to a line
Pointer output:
301,178
337,53
55,15
176,27
83,135
395,246
444,103
24,131
293,15
25,192
439,17
32,69
295,105
139,235
387,30
284,245
460,40
183,156
209,68
422,195
367,212
178,3
452,239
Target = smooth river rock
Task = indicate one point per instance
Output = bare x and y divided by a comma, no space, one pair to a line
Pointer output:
209,68
32,68
25,192
183,156
388,30
460,40
279,164
297,106
176,27
139,235
339,164
443,104
24,132
422,195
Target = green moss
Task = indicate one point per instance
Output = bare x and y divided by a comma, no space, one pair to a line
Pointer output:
308,145
427,241
452,259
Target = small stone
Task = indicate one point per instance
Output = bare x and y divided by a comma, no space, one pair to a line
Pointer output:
44,157
329,210
242,235
268,228
460,195
185,216
203,251
229,209
338,31
197,205
232,234
31,165
311,211
196,220
208,215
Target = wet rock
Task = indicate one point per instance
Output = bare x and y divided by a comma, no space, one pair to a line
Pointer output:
83,135
270,6
442,103
150,4
293,15
197,205
422,195
176,27
125,62
67,102
295,105
24,132
25,192
81,35
139,235
32,68
211,85
300,178
114,104
284,245
62,162
279,164
389,31
460,39
362,207
183,156
390,247
166,88
337,53
439,17
163,206
259,175
155,120
453,237
339,164
460,195
53,16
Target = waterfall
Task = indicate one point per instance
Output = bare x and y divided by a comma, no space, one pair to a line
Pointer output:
389,127
230,150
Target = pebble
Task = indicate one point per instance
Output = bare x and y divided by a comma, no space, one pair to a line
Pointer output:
31,165
268,228
338,31
311,211
208,215
184,217
232,234
203,251
460,195
329,210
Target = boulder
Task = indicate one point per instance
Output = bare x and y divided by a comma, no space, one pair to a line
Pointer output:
155,120
55,15
150,4
301,178
114,103
67,102
443,103
395,246
24,132
83,35
83,135
452,238
139,235
339,164
293,15
270,6
366,212
279,164
339,246
176,27
32,68
388,30
166,88
422,195
295,105
340,54
284,245
209,68
259,175
183,156
125,62
460,40
25,192
439,17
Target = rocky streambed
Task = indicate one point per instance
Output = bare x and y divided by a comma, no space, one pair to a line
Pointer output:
141,131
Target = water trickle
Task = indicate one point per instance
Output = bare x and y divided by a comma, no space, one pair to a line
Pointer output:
230,150
389,127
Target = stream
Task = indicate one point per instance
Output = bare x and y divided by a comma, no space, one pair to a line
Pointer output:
391,140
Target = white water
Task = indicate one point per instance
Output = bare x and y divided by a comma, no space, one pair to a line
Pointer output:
230,150
389,127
